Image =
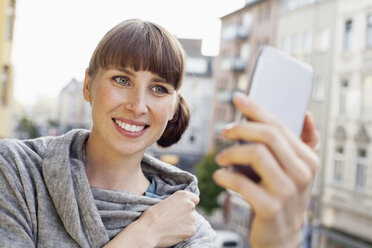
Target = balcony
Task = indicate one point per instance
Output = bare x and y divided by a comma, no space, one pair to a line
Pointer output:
242,32
235,64
234,32
225,96
238,64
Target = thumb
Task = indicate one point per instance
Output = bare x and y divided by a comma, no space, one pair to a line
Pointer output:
310,136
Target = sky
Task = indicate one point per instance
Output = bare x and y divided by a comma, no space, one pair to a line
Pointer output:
54,39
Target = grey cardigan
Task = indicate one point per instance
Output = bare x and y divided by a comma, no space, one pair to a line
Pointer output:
46,200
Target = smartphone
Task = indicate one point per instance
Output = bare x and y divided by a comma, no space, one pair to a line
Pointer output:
282,85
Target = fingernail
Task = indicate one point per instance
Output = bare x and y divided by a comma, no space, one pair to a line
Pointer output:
217,174
241,98
229,126
219,157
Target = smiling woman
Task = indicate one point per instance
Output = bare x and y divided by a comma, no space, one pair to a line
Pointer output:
98,188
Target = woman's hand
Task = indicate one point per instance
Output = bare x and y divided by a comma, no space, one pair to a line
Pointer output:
287,168
165,224
172,220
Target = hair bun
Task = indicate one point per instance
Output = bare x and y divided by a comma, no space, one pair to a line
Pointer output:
177,125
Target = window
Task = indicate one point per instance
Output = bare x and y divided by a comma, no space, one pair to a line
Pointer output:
347,34
361,170
308,43
224,95
261,15
343,97
338,172
192,139
243,81
366,97
295,44
286,45
10,22
229,32
196,65
4,86
245,51
267,14
294,4
247,20
323,39
318,89
369,32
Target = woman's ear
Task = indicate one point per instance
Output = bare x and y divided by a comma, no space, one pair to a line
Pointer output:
86,87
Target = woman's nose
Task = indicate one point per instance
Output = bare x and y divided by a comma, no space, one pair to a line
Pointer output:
136,102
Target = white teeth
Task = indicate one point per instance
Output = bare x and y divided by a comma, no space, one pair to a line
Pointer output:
133,128
129,127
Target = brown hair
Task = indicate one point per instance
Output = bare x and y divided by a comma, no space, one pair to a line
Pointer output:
180,121
143,45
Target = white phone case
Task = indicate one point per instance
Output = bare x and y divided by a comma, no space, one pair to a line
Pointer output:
282,85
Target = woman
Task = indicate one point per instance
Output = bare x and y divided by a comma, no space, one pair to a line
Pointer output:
98,188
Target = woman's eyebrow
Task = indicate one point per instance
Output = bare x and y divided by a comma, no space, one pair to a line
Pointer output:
159,80
129,72
132,73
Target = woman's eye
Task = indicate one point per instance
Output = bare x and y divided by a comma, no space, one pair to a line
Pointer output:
159,89
121,80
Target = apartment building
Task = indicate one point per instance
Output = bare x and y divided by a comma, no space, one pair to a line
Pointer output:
346,215
306,30
243,32
335,37
7,16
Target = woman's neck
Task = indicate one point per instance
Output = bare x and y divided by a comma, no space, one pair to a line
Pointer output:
109,170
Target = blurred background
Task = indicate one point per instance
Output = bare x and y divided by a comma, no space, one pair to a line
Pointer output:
45,46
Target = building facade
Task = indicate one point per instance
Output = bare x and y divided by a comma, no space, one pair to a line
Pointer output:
335,37
73,110
243,32
7,16
306,30
347,198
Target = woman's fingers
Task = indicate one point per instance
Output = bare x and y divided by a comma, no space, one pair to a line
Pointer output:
286,165
183,194
256,113
263,203
268,135
263,162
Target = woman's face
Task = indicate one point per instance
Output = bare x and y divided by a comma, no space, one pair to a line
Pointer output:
130,109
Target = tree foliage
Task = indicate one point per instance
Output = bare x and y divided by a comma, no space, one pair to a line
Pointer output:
29,128
209,190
